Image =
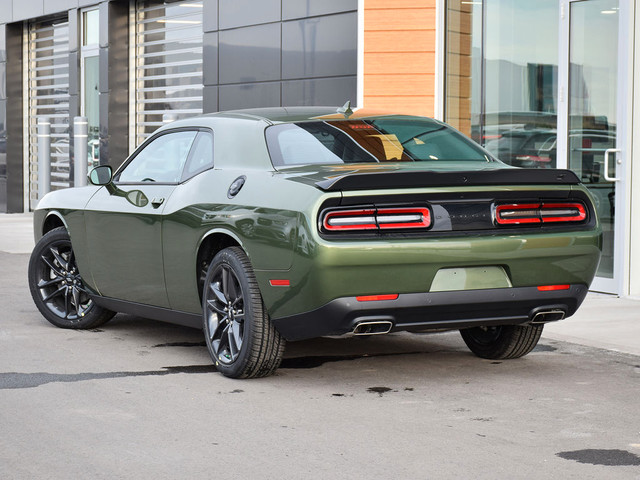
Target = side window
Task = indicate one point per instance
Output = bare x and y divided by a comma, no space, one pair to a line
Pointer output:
162,160
201,157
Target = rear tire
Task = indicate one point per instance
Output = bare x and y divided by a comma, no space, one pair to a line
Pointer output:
242,341
502,342
57,287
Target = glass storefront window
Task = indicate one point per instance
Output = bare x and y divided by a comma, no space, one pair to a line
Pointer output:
90,27
502,72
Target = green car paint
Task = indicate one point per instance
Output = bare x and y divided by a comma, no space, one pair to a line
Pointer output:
149,254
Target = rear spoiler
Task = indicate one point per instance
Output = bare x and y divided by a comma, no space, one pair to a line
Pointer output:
421,178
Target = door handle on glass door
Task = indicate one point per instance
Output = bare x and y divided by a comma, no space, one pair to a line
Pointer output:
606,164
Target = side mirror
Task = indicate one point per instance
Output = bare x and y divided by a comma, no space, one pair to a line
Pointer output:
101,175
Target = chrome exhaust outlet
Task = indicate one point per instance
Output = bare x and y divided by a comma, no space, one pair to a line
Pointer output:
546,316
378,327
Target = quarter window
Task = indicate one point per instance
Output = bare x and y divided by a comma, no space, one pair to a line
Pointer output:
162,160
201,157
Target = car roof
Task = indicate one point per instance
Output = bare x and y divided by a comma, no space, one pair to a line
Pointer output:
273,115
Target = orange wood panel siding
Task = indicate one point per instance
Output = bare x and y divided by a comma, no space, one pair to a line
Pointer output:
400,55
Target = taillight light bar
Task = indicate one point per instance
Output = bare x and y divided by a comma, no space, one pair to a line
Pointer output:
376,219
529,213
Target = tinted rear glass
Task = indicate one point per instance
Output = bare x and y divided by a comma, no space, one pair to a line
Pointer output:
389,139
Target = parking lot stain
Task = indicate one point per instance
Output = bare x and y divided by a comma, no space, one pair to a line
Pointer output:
541,347
379,390
317,361
609,458
180,344
17,380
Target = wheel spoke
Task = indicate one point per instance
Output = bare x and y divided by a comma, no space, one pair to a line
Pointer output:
60,259
237,334
57,292
211,304
232,291
47,283
214,326
224,343
225,284
53,268
76,300
67,303
215,288
231,338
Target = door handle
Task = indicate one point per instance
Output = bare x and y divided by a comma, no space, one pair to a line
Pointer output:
606,164
157,201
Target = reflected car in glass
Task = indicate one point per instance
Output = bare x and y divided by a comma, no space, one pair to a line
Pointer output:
272,225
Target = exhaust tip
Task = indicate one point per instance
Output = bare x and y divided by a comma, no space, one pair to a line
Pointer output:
378,327
546,316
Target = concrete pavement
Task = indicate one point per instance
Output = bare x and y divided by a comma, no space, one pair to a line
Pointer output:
603,321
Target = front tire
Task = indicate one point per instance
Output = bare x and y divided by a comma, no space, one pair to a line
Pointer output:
502,342
240,337
57,287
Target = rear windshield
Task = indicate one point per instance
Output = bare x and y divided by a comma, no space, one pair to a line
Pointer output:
409,139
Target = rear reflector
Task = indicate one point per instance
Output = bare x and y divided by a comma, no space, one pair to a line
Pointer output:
374,219
375,298
279,283
523,213
551,288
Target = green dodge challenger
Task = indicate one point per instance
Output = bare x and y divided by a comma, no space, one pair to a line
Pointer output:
267,225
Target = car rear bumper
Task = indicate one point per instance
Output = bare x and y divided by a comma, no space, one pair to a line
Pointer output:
435,311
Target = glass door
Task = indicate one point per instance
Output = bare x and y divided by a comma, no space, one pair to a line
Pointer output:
588,120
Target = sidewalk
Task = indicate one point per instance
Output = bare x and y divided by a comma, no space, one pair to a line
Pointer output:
603,321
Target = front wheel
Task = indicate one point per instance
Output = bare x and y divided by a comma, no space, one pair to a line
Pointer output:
502,342
57,287
240,337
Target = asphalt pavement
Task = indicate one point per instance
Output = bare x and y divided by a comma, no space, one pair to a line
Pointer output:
141,399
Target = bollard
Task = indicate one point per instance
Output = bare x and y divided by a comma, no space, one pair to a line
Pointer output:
44,157
80,146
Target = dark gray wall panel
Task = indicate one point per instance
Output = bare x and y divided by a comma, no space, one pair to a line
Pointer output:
321,46
114,96
320,91
15,165
210,16
210,59
250,54
249,95
25,9
210,99
57,6
3,156
308,8
238,13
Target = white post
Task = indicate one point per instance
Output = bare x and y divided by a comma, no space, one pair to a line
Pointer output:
80,147
44,157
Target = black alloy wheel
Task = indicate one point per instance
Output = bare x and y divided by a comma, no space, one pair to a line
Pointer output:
502,342
57,287
240,337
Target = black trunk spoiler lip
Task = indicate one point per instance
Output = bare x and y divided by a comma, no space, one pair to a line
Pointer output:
422,178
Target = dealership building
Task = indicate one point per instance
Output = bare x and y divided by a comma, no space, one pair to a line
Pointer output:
550,83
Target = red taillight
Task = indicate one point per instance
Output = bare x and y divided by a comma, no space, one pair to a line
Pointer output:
363,219
374,219
551,288
522,213
376,298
